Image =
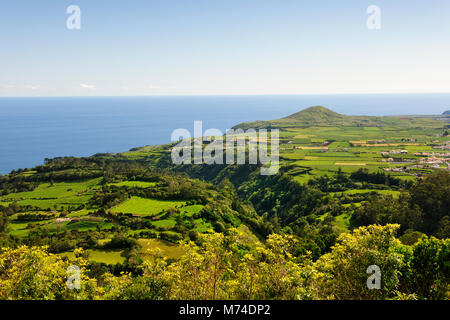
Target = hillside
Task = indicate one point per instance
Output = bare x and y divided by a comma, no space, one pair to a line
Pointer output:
317,114
322,116
131,211
317,141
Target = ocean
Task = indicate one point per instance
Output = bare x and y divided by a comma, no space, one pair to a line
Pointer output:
32,129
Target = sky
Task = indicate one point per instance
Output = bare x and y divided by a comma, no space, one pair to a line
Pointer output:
223,47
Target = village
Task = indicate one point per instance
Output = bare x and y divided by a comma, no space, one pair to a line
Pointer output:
427,160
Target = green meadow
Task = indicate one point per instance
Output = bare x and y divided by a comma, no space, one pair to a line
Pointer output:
188,211
138,184
22,229
168,249
101,256
146,207
59,195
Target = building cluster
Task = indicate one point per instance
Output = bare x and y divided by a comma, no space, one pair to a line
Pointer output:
409,140
375,141
434,161
386,154
432,154
444,146
396,169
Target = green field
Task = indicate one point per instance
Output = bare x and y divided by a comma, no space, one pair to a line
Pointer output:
139,184
21,229
341,223
57,196
304,135
101,256
146,207
359,191
188,211
168,249
164,223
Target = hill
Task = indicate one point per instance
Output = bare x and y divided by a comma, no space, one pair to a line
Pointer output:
316,114
322,116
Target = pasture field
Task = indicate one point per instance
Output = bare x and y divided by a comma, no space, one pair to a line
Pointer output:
359,191
341,223
188,211
101,256
131,184
170,223
168,249
146,207
23,228
88,225
348,148
19,229
79,213
59,195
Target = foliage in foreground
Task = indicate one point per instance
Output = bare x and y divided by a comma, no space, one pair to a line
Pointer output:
219,267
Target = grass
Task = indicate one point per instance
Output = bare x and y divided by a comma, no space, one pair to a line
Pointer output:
20,228
49,215
88,225
138,184
145,207
358,191
164,223
59,195
188,211
341,223
202,226
101,256
168,249
79,213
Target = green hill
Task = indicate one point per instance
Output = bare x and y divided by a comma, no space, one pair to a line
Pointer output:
316,114
324,117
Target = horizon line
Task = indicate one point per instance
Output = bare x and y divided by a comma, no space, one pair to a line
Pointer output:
220,95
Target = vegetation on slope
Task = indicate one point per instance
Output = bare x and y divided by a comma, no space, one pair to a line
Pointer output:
140,227
220,268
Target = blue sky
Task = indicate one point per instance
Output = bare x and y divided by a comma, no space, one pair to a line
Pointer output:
180,47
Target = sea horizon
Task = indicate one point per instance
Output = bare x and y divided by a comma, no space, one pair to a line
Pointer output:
35,128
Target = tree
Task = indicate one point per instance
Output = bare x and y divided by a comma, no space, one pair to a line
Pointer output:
432,196
411,237
219,269
4,221
33,273
430,268
342,273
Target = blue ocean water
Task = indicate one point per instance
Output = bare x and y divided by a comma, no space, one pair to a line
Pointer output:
32,129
